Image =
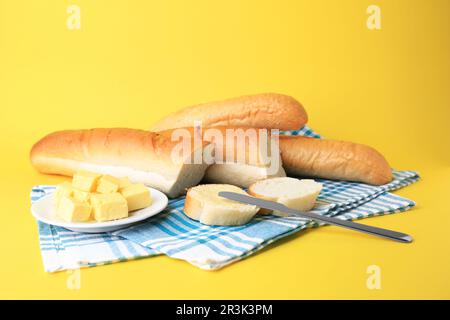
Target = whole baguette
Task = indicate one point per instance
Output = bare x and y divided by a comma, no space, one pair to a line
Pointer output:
332,159
143,156
267,110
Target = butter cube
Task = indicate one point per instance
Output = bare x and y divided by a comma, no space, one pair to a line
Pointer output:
124,182
109,206
80,195
85,181
108,184
72,210
63,189
137,196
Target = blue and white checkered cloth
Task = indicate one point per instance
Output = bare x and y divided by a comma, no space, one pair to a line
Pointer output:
211,247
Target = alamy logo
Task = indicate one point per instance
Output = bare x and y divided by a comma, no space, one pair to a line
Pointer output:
74,279
374,279
374,19
74,18
259,147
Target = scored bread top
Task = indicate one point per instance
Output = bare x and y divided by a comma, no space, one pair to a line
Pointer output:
267,110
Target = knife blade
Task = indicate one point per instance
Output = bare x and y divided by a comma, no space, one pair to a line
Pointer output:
272,205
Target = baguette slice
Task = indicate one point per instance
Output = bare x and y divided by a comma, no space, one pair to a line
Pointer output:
332,159
294,193
143,156
204,205
267,110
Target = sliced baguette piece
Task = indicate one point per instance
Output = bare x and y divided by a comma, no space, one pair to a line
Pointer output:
143,156
266,110
294,193
205,205
333,159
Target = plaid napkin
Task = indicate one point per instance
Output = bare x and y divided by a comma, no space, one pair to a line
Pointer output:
212,247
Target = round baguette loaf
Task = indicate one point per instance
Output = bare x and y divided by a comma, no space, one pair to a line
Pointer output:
332,159
293,193
142,156
267,110
205,205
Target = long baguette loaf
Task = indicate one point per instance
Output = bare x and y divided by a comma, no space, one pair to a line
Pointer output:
331,159
143,156
268,110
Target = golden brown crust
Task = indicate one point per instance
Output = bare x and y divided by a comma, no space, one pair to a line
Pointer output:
331,159
138,149
267,110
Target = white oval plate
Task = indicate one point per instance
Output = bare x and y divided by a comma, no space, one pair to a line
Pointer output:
43,210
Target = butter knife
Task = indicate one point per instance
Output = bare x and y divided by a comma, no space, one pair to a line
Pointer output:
272,205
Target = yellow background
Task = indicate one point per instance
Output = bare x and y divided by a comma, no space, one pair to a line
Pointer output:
134,61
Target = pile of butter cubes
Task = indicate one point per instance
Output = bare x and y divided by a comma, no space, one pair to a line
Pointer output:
93,196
